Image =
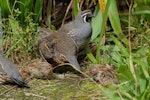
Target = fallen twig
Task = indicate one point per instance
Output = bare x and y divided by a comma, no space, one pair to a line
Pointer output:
69,6
8,90
35,95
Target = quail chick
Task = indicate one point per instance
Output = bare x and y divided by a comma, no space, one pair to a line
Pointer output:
104,74
36,69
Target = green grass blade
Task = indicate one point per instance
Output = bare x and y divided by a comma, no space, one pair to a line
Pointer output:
1,33
102,30
75,7
37,10
90,55
25,8
121,46
115,22
96,23
5,6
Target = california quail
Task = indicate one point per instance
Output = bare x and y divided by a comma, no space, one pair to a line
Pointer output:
79,29
61,46
8,70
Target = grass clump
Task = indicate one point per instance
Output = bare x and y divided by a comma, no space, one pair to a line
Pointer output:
20,39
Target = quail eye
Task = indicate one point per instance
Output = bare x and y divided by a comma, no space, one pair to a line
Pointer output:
86,19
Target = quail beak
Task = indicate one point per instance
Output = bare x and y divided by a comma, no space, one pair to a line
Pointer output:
89,18
90,15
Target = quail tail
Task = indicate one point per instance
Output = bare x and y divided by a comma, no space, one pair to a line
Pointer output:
73,61
18,80
13,73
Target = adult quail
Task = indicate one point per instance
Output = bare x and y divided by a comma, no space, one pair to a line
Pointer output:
58,48
79,29
62,46
8,70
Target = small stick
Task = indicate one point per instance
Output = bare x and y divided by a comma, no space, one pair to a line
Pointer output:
132,69
35,95
69,6
8,90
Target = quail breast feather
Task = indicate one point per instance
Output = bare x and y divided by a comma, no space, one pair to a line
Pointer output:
66,41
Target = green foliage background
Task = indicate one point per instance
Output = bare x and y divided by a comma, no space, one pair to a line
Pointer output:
20,23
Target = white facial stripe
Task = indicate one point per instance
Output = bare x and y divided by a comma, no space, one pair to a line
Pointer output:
84,19
82,15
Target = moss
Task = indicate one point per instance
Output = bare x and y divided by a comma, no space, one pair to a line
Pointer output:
56,89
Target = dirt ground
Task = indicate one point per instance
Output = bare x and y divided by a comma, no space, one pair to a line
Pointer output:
68,87
45,85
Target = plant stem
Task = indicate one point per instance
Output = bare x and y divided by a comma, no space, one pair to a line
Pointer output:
49,9
132,69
